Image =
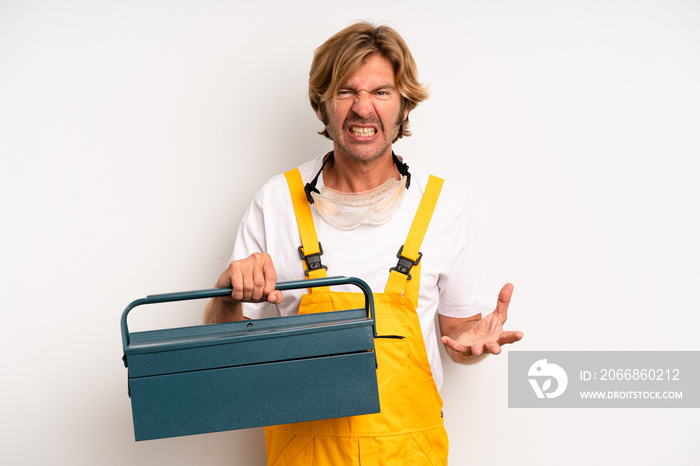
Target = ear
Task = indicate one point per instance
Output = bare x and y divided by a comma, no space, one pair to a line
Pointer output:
405,115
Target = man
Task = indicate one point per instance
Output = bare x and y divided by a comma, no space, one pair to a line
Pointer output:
356,202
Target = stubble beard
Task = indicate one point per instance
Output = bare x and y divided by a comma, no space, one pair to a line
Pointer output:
360,155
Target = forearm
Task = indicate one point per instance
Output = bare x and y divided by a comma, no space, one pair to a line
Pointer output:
220,310
224,309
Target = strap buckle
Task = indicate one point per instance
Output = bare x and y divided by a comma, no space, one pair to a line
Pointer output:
405,264
313,261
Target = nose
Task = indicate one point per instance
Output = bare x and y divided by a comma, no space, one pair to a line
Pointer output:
362,104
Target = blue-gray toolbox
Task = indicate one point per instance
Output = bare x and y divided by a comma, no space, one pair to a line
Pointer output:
252,373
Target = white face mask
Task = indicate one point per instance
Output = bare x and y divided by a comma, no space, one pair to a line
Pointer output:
347,211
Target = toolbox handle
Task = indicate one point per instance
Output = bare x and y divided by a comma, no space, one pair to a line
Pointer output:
223,292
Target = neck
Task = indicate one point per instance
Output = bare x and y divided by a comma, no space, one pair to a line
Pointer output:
350,175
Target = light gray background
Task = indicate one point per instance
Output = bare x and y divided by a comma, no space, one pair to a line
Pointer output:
133,135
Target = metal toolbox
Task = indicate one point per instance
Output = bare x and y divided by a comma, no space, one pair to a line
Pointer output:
251,373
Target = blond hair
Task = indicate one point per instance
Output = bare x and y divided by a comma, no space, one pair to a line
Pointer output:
341,55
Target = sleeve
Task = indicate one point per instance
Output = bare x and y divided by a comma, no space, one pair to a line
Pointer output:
465,288
251,239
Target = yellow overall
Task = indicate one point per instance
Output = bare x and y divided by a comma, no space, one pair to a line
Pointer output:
409,429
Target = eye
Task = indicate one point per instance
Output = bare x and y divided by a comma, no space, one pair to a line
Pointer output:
344,94
383,95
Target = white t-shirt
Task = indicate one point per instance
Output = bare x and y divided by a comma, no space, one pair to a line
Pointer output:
453,280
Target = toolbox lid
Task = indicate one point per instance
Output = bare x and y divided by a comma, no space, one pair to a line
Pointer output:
239,344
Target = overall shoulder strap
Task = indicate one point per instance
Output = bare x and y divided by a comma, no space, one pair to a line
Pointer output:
310,250
409,254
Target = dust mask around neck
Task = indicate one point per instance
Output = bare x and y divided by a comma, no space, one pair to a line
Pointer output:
347,211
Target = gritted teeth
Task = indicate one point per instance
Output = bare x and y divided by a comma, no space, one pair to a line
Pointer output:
363,131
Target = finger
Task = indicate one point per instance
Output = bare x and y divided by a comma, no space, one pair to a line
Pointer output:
247,278
236,278
509,337
258,278
253,271
270,279
247,268
449,343
275,297
492,347
456,346
504,300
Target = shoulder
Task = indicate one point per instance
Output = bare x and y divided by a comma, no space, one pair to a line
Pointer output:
276,189
452,197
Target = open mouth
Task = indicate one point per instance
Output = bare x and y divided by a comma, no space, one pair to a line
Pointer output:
363,131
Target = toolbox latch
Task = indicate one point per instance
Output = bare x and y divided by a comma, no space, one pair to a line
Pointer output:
405,264
313,261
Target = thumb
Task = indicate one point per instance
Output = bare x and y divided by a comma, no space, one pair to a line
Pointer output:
504,300
275,297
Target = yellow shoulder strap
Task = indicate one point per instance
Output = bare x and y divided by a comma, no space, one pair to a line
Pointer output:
409,253
305,222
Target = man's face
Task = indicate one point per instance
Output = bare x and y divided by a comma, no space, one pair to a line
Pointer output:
367,114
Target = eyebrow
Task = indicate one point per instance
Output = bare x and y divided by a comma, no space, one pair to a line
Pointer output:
383,87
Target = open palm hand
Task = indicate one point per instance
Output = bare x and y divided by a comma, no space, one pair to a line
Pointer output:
487,335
